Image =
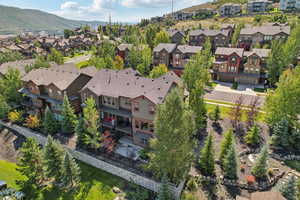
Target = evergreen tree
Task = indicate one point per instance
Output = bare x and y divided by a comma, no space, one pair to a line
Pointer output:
281,132
216,114
173,145
164,191
253,135
91,124
260,166
80,131
207,160
225,144
70,172
197,105
69,119
50,124
53,155
230,163
30,163
4,107
289,190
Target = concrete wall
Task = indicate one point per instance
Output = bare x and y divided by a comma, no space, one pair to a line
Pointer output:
100,164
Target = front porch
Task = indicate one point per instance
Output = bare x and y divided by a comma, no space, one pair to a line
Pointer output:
126,148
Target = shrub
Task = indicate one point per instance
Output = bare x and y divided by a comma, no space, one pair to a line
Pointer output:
32,121
271,172
15,116
250,179
192,184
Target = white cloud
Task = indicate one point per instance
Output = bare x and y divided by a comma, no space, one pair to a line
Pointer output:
98,10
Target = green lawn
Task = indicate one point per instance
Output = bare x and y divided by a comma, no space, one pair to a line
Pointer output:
96,184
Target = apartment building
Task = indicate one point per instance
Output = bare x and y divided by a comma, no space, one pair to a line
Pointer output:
162,53
289,5
230,9
127,101
258,6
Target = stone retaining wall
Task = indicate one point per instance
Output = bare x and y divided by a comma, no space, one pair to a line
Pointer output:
100,164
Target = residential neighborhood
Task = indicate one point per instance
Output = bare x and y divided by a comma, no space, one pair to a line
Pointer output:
198,103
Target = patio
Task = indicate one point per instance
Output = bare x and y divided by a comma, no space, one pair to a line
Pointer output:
127,149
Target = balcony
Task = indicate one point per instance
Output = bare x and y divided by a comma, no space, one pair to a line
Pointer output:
118,123
118,112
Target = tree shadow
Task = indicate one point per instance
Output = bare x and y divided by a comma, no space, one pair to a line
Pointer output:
233,191
217,127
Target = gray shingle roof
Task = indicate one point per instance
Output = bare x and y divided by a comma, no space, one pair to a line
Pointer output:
169,47
59,75
20,65
266,30
229,51
172,32
128,83
207,32
189,49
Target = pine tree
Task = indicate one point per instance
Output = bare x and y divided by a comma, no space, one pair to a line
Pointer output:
164,191
281,134
253,135
216,114
80,131
207,160
53,155
225,144
230,163
69,119
4,107
30,163
289,190
91,124
173,145
260,166
50,124
70,172
197,105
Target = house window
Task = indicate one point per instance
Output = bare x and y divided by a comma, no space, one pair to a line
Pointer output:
137,124
144,141
152,110
50,90
144,126
151,127
59,93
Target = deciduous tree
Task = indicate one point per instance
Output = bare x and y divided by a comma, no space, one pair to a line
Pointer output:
161,37
158,71
9,86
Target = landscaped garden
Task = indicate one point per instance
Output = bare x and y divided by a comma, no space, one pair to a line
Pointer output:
95,184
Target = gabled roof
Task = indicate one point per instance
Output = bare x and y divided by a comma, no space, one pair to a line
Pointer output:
189,49
266,30
62,76
123,47
229,51
169,47
172,32
128,83
263,53
207,32
20,65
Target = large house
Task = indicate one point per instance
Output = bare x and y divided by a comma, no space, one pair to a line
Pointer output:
218,38
123,51
289,4
46,87
230,9
176,36
19,65
182,55
238,65
262,35
127,101
163,53
258,6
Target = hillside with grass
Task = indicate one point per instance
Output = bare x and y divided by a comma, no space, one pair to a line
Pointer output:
15,20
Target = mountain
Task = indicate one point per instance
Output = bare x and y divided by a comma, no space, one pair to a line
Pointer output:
15,20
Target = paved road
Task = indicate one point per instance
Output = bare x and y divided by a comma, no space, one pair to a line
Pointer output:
232,97
79,59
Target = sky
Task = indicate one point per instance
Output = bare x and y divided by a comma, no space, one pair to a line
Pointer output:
121,10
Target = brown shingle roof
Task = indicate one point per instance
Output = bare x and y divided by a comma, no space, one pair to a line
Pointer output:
60,75
128,83
189,49
169,47
20,65
229,51
270,195
266,30
209,32
263,53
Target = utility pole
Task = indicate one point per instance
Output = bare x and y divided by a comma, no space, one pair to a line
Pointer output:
172,9
109,12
